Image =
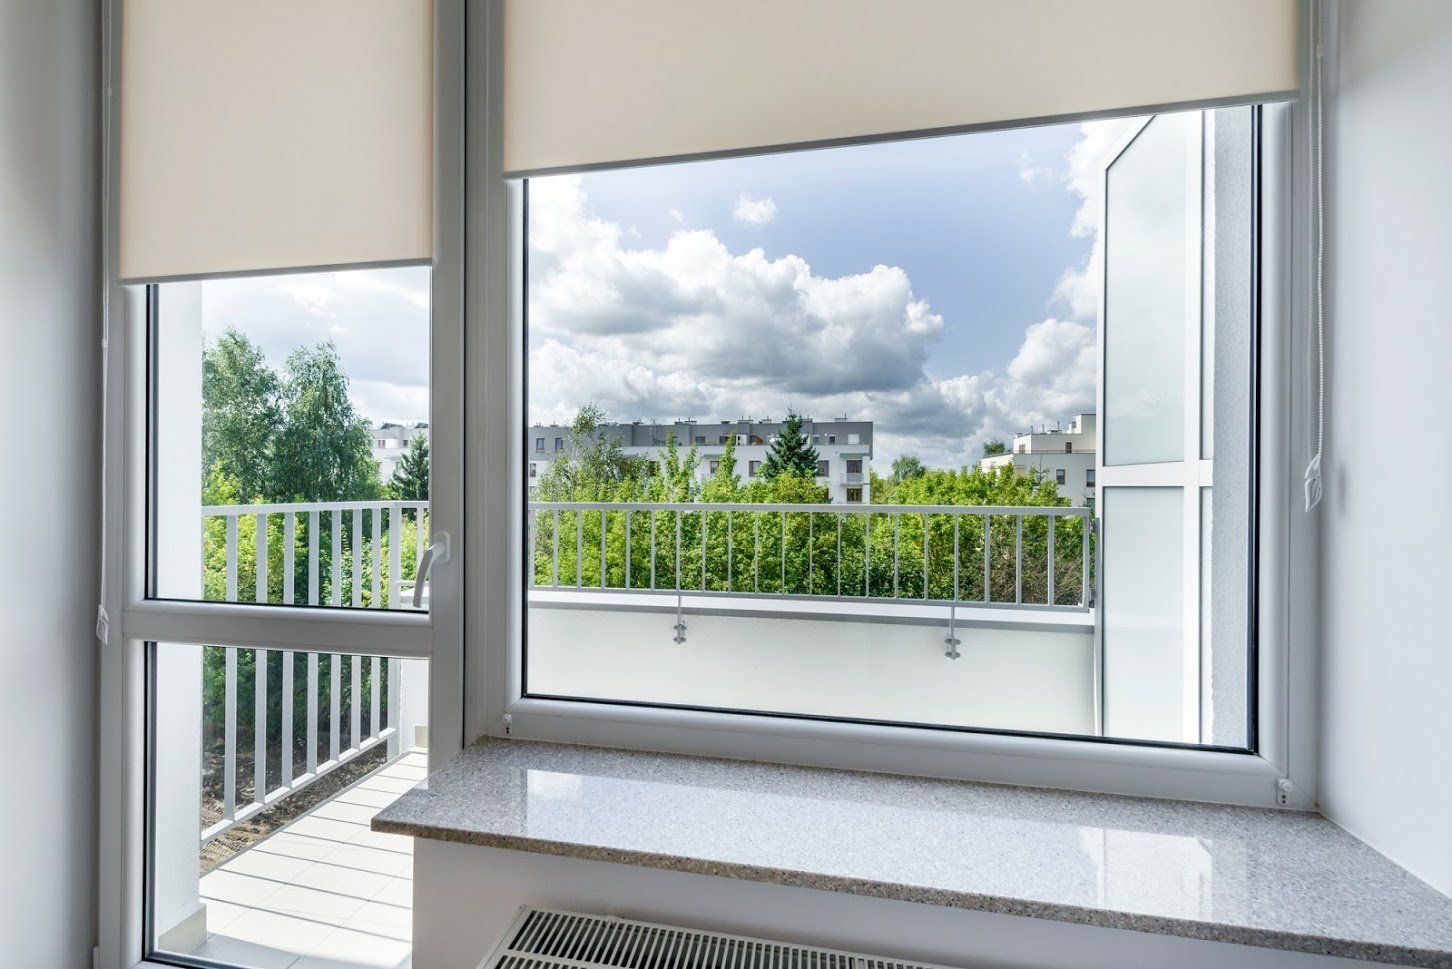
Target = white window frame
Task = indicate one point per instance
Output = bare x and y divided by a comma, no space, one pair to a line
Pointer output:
137,621
1281,773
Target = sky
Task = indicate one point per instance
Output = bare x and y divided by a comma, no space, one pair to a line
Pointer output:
943,288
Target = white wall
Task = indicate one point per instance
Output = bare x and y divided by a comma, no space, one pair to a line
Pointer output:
49,352
1008,677
465,896
1387,660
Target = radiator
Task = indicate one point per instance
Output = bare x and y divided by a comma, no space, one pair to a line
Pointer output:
548,939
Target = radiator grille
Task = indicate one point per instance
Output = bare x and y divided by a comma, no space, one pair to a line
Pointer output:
546,939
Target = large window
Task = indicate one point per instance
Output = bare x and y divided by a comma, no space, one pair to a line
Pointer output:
957,328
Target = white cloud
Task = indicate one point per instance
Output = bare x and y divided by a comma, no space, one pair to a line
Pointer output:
1078,288
753,212
377,318
694,330
676,214
1029,173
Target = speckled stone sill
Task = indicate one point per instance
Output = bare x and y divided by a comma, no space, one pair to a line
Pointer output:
1241,875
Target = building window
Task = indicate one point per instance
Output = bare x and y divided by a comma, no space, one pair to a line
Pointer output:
533,470
1020,558
700,439
559,444
539,444
1068,447
1089,478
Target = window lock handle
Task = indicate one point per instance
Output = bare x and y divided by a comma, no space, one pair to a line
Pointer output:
437,553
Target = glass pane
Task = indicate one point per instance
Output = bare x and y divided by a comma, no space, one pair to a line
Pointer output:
290,438
1146,661
1151,248
1225,336
262,879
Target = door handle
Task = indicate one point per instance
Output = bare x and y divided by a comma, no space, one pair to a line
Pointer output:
436,554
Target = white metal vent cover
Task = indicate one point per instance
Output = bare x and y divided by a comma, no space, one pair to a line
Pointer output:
550,939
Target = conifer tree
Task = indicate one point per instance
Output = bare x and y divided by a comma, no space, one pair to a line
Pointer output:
790,453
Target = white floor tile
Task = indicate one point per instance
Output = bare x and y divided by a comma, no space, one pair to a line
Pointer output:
314,903
236,888
327,877
398,891
355,948
283,933
376,860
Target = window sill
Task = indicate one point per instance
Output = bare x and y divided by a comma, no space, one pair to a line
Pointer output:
1257,877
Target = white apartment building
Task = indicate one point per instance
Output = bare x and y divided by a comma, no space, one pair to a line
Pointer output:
1065,456
389,442
844,448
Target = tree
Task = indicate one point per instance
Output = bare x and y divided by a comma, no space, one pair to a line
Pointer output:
411,478
322,451
991,448
906,467
594,467
791,452
724,484
241,414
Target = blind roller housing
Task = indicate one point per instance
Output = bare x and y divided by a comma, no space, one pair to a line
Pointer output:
591,84
274,134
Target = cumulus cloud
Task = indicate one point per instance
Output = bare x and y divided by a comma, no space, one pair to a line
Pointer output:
692,329
1078,288
377,318
753,212
1029,172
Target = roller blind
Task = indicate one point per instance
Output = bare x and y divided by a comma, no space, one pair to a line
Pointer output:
593,84
274,134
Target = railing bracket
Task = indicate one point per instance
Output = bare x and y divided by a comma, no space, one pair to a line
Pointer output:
952,641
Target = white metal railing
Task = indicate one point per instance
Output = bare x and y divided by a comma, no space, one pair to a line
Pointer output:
267,790
333,554
1034,557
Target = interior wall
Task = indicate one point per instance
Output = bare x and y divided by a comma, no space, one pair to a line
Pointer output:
1387,659
49,61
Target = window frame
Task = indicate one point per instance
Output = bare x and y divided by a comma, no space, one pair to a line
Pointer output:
137,621
1280,772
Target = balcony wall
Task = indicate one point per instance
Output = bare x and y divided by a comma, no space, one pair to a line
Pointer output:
1020,670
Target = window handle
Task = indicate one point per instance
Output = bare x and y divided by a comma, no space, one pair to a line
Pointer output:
435,554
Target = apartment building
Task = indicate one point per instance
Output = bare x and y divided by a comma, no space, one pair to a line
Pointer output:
844,448
389,442
1063,455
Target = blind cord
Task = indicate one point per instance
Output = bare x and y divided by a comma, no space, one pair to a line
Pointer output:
103,621
1314,147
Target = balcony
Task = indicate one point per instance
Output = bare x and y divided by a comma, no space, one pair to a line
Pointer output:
953,615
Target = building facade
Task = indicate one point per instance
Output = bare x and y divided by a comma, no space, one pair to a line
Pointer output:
844,448
1065,456
389,442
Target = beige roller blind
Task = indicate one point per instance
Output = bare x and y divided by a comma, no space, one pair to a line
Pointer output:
591,83
274,134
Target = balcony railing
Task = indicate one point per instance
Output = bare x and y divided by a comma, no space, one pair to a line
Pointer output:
358,554
952,555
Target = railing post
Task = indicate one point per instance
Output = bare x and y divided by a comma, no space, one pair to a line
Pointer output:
314,520
312,760
1052,519
376,562
395,556
335,704
289,539
357,556
261,543
259,726
231,593
1018,559
229,725
355,705
396,741
375,704
286,710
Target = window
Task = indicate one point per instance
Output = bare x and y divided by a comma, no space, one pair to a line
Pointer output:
539,444
559,444
700,439
1068,447
1089,478
923,537
533,470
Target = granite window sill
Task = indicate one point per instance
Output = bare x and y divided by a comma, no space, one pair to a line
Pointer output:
1259,877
